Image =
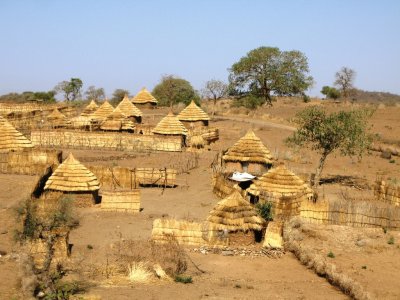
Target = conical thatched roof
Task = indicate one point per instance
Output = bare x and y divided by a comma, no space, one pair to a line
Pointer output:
279,181
249,148
128,108
56,115
144,96
235,213
10,138
72,176
171,125
116,121
89,109
193,113
103,111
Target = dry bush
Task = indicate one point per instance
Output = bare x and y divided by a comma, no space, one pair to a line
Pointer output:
139,272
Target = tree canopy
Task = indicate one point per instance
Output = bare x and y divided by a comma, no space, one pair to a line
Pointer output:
118,95
96,94
345,131
70,89
172,90
267,71
48,97
344,80
330,92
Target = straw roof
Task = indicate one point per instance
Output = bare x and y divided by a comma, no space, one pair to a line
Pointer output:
89,109
56,115
144,96
192,112
116,121
279,181
235,213
249,148
72,176
103,111
128,108
10,138
170,124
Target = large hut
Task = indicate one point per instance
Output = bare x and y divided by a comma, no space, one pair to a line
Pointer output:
57,119
89,109
73,178
284,189
248,154
130,110
102,112
11,139
117,121
236,219
172,127
192,116
144,99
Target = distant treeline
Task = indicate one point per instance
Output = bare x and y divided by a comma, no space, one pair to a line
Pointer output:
48,97
374,97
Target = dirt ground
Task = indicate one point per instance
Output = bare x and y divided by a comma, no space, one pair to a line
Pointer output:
192,199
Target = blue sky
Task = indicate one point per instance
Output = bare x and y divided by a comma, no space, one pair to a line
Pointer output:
131,44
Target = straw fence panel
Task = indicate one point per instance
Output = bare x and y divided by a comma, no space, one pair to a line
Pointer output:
222,187
273,235
121,201
126,178
106,140
351,213
185,233
29,161
209,134
387,192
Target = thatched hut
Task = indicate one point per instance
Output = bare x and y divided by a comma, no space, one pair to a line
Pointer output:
284,189
117,121
192,116
236,219
144,99
80,122
102,112
172,127
248,154
130,110
11,139
89,109
71,177
57,119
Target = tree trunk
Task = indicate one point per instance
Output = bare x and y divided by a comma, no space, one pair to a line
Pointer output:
319,169
215,106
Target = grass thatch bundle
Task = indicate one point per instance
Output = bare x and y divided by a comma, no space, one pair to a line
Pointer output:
143,97
170,125
249,148
197,141
193,113
89,109
234,213
117,121
103,111
128,108
10,138
72,176
121,201
279,181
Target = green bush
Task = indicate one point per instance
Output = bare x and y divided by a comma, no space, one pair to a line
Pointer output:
331,255
183,279
306,99
250,102
265,210
391,241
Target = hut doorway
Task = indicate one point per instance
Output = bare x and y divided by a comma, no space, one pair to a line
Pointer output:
258,236
254,199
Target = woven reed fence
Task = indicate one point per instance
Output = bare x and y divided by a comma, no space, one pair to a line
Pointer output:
387,192
106,140
351,213
29,161
222,186
209,134
121,201
127,178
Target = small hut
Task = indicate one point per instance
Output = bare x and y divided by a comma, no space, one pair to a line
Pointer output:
11,139
130,110
145,99
80,122
284,189
236,219
57,119
171,126
71,177
117,121
102,112
89,109
248,154
192,116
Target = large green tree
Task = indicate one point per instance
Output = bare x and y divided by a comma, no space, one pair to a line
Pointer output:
343,131
172,90
268,71
70,89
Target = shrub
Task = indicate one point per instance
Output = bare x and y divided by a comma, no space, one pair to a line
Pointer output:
265,210
90,247
392,161
250,102
364,267
331,255
183,279
391,241
138,272
306,98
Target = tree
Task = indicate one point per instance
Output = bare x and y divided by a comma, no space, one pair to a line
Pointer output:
345,131
118,95
71,89
96,94
215,89
330,92
344,79
173,90
266,71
